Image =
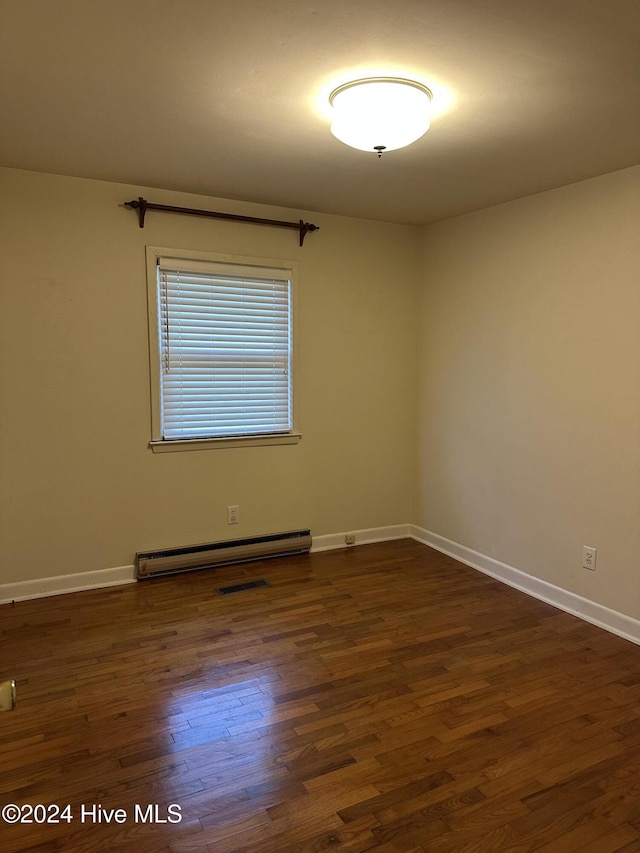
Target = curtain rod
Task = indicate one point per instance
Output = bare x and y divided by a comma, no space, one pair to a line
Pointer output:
142,205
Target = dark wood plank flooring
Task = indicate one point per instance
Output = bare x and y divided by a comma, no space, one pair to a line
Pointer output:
381,698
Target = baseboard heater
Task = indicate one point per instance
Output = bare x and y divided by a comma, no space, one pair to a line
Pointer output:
172,560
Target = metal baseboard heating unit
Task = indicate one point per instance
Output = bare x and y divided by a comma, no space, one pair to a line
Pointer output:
172,560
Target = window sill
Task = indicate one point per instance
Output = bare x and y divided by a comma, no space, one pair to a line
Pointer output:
217,443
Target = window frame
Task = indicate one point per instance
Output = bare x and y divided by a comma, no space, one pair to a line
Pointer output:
159,444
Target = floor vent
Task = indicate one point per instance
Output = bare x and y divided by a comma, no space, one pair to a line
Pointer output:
241,587
172,560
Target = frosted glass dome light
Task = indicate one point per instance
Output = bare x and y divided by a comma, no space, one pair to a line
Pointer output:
380,113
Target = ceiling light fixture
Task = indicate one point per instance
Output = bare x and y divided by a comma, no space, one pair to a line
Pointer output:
380,113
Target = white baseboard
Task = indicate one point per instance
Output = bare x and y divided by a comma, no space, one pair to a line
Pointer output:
362,537
23,590
597,614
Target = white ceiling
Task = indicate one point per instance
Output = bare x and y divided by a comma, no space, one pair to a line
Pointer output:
221,97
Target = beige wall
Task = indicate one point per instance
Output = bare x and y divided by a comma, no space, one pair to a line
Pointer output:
529,385
79,488
526,398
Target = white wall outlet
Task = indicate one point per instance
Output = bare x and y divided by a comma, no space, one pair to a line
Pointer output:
349,538
233,514
589,556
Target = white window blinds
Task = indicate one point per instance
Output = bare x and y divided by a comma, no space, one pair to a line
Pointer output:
225,349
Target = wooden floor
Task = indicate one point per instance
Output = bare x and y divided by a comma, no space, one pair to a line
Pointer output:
381,698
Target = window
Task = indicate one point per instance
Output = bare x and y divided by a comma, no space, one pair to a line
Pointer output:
221,343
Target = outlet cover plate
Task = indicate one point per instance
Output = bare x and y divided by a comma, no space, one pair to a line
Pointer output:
589,556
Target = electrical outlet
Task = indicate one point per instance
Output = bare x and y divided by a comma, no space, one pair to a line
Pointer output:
589,556
233,514
350,539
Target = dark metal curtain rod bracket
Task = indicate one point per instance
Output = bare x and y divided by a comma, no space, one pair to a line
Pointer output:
142,206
